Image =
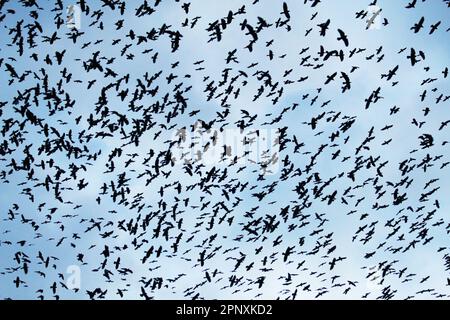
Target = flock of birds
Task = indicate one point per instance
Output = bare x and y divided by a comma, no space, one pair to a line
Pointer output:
96,173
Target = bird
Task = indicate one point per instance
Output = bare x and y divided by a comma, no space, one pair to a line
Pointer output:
343,37
418,26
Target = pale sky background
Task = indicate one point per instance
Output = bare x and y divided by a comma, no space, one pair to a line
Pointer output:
422,261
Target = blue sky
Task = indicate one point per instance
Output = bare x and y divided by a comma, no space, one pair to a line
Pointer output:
422,261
